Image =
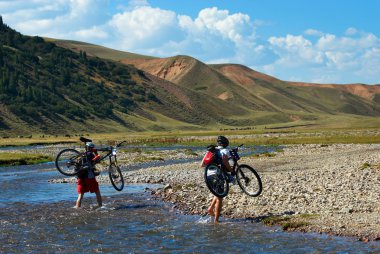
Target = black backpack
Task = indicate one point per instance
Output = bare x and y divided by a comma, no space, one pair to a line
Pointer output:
216,158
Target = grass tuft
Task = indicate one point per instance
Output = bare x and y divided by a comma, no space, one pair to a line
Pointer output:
293,225
14,159
365,165
274,220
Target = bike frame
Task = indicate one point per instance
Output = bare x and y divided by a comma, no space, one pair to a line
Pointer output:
223,177
111,152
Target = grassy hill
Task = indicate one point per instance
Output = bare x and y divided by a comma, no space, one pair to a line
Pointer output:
356,99
96,50
253,93
49,89
59,86
262,99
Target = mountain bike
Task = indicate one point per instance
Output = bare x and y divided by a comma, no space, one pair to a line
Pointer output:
217,178
69,162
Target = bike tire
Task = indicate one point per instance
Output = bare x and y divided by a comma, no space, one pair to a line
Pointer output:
249,180
216,181
66,161
116,177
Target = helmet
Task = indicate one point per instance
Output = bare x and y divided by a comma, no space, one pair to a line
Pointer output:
90,145
222,141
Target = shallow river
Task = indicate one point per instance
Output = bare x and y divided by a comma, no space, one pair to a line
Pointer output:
38,217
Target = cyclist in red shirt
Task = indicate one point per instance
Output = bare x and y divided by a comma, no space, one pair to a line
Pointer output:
86,181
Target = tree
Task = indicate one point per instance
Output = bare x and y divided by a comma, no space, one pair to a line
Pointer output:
1,54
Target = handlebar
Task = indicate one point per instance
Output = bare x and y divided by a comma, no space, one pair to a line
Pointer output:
237,148
121,143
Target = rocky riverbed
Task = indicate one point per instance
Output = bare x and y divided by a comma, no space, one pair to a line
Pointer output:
315,188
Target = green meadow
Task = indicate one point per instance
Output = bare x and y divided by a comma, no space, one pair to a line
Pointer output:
258,136
15,159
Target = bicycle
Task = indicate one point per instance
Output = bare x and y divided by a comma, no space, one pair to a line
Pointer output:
70,161
217,179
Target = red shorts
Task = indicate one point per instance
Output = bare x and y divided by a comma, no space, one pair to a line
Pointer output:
87,185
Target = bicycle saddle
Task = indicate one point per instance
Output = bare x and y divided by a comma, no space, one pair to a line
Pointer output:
85,139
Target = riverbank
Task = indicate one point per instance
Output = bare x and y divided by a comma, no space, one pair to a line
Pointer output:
331,189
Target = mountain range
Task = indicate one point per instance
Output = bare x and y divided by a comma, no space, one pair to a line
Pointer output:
59,86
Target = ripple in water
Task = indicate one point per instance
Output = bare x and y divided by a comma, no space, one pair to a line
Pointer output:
133,223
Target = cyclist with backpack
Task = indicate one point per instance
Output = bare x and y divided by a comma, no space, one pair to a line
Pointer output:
223,153
86,176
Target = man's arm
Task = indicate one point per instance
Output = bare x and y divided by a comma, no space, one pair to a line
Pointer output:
226,164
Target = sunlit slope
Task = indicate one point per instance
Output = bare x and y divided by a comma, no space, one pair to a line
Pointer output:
96,50
192,74
312,98
49,89
181,92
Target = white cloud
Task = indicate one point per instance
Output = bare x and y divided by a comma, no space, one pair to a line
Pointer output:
329,59
232,27
351,31
314,32
61,18
144,27
235,27
91,33
370,62
213,36
222,35
341,60
295,51
137,3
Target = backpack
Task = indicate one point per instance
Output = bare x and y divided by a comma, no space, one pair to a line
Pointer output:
82,173
212,156
83,166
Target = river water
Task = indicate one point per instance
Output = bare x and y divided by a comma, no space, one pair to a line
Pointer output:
38,217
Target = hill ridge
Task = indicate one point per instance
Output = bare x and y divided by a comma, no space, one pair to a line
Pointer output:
60,86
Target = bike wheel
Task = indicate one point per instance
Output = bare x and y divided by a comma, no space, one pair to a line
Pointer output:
216,181
116,177
249,180
66,161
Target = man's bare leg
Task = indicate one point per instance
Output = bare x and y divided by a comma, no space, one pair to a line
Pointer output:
218,208
99,198
210,210
79,200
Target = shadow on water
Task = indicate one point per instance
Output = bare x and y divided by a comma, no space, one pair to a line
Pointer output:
144,206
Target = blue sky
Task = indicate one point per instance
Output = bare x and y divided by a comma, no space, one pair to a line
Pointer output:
335,41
